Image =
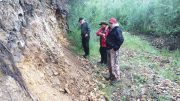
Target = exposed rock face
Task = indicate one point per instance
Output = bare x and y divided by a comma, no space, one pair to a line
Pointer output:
31,34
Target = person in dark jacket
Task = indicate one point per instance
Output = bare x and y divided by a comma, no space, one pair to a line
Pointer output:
114,41
85,36
103,32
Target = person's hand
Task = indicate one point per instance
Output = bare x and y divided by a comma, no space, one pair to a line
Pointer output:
106,28
86,35
103,35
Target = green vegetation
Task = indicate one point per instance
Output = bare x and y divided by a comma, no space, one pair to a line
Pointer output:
135,14
158,17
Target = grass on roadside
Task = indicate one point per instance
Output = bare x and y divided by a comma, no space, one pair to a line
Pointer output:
140,47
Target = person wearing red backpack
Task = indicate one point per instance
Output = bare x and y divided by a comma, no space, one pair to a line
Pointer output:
103,32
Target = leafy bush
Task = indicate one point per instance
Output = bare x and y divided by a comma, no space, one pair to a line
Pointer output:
158,17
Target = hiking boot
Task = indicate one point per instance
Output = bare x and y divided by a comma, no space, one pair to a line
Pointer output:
105,62
99,62
108,78
85,56
114,82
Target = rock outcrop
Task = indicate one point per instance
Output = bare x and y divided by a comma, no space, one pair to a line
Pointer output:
32,61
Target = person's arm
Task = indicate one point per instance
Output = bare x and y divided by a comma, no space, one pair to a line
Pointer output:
107,31
119,39
83,28
99,32
87,30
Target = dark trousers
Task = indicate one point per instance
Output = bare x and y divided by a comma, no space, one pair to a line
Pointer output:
103,53
85,44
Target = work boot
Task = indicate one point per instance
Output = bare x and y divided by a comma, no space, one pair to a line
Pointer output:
100,62
85,56
114,82
108,78
105,63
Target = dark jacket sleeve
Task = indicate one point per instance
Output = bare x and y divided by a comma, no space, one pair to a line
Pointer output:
85,29
119,39
88,29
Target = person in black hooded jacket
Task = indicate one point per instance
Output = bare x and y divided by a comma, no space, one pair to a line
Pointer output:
85,36
114,41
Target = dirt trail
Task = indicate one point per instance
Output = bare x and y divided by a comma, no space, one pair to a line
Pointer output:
79,81
64,76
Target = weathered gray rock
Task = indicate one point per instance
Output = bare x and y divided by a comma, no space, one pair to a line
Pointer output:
28,29
10,90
